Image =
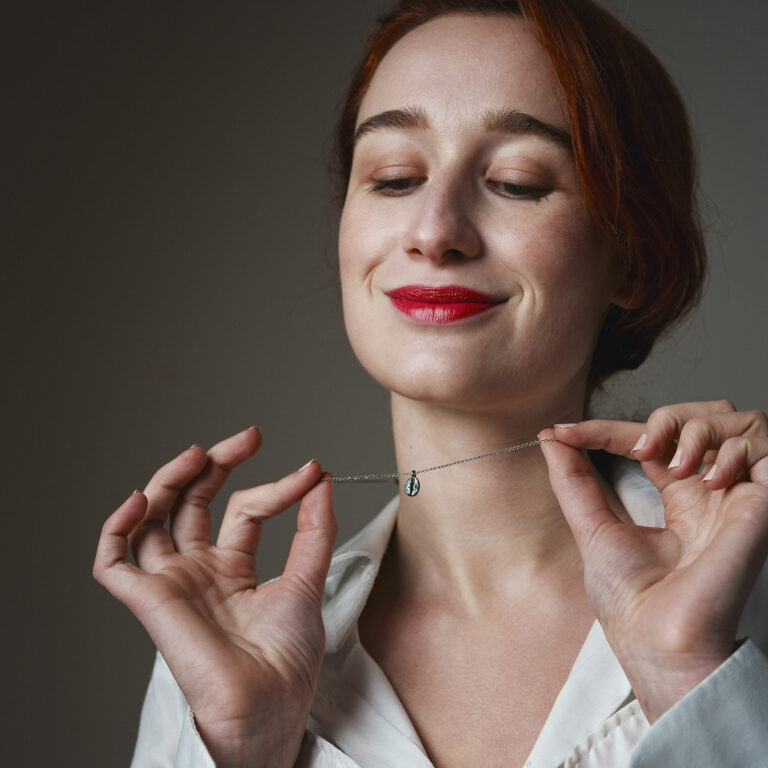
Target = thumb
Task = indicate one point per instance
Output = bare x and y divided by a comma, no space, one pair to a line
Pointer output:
581,500
310,556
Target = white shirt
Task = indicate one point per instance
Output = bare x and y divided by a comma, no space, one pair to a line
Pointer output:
358,721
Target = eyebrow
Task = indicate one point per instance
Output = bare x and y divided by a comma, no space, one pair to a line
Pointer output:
505,121
410,117
511,121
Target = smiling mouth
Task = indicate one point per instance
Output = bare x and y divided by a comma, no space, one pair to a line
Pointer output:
442,304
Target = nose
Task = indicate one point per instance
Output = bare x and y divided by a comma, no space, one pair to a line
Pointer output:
442,228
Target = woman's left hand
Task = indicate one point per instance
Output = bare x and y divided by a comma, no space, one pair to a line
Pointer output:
669,599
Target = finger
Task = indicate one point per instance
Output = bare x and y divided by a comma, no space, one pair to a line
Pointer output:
110,566
174,625
577,491
666,423
247,509
653,443
190,515
650,440
312,547
739,457
150,540
617,437
704,433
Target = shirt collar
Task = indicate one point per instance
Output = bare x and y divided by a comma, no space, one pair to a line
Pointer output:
356,563
350,578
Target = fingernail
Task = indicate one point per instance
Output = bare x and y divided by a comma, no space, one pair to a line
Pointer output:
640,443
677,459
138,491
301,469
253,427
711,474
565,426
194,445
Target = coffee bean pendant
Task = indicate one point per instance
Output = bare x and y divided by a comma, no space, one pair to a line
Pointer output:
412,485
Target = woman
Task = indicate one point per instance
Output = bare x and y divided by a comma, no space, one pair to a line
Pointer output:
516,227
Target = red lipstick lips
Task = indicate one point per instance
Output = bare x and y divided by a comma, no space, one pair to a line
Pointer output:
440,305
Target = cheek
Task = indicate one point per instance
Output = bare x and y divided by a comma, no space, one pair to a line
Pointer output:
345,246
357,258
566,259
563,271
360,246
364,237
352,258
366,241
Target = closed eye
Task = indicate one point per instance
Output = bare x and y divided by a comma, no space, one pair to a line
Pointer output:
519,191
395,187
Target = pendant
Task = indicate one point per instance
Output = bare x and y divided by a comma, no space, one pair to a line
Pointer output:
412,485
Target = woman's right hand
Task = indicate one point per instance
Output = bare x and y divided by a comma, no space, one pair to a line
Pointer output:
246,656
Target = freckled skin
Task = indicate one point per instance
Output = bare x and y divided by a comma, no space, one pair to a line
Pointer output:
446,219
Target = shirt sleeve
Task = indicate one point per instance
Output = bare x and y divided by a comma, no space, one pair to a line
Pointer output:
167,734
168,737
721,722
316,752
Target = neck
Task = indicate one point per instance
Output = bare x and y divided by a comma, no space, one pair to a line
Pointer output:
478,529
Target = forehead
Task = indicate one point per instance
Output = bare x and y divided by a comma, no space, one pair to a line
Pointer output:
458,66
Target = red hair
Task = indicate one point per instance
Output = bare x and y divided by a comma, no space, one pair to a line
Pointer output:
632,149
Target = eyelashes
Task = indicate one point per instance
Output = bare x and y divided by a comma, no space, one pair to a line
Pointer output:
399,187
519,191
395,187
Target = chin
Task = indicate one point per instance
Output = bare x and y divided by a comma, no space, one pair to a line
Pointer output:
476,379
456,384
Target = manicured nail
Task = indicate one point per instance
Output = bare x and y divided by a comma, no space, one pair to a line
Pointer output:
306,465
711,474
640,443
677,459
565,426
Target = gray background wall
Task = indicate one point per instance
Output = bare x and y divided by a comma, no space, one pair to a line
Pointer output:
169,278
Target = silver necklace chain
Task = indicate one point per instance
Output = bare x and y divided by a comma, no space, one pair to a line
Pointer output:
413,488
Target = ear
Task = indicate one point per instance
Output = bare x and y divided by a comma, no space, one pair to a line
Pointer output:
623,297
624,294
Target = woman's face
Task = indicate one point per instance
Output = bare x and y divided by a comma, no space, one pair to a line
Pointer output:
471,272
